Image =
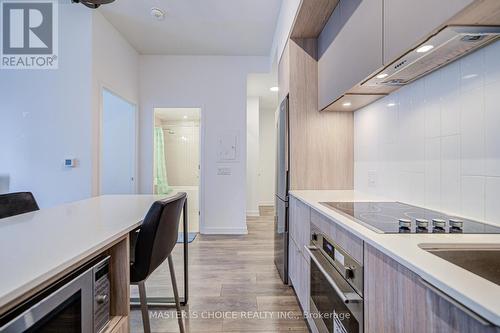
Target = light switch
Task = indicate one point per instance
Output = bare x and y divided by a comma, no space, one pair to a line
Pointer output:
223,171
372,178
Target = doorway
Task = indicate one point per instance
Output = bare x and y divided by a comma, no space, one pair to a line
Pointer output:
118,158
177,152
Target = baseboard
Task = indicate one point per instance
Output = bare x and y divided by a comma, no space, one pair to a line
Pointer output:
224,231
269,203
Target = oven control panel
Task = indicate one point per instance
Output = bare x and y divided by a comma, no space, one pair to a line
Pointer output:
350,269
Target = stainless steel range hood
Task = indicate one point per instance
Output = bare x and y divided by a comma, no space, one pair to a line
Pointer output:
449,44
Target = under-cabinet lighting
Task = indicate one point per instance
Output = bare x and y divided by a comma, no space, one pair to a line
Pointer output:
425,48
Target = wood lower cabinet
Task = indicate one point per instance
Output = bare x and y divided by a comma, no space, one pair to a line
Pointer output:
298,271
300,223
397,300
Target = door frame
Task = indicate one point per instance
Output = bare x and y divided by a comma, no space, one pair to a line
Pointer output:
102,88
201,189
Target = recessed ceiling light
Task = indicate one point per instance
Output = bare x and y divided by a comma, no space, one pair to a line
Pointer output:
383,75
346,104
425,48
274,89
391,104
157,13
185,117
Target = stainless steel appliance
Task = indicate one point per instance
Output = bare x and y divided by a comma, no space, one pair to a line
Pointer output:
449,44
281,197
336,303
397,217
78,303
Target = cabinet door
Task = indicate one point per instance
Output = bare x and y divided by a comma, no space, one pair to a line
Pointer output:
304,213
354,35
293,219
397,300
304,279
408,22
299,223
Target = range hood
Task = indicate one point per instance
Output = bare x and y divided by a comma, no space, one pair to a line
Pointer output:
449,44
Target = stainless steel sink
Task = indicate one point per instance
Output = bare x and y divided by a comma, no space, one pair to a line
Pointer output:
482,260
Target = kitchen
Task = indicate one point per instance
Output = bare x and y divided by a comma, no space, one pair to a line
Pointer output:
386,184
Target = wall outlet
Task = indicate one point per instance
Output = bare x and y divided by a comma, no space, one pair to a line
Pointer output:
372,178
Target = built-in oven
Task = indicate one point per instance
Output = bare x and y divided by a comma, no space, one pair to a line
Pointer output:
79,303
336,303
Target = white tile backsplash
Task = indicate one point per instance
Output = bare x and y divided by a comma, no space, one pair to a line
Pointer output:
472,71
432,196
492,129
472,132
492,189
473,193
450,174
438,143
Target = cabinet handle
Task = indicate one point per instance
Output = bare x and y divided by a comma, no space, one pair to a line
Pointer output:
455,303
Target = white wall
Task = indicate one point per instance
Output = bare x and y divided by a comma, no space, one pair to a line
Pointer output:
252,184
115,66
439,145
216,84
49,115
267,157
45,117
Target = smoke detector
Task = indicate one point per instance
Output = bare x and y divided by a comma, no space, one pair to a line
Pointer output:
94,4
158,14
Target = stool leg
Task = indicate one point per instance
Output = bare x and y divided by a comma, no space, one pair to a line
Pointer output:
176,293
144,307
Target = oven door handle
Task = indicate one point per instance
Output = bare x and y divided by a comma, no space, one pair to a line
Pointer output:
346,298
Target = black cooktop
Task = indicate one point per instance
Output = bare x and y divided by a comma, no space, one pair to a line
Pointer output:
397,217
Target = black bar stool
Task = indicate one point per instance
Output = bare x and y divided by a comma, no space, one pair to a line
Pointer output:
155,241
12,204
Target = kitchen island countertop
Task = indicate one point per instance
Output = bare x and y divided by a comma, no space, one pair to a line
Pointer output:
35,247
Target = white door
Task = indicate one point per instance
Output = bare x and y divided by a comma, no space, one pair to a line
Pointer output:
118,145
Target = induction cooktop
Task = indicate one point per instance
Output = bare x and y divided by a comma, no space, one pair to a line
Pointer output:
397,217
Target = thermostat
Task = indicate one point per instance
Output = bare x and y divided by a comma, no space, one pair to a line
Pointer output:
70,162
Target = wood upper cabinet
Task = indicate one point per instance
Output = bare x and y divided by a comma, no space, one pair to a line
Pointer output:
350,48
398,300
408,22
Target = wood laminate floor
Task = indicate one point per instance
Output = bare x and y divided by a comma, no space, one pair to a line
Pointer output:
233,277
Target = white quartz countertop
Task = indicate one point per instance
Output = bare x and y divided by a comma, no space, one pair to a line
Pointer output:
474,292
34,247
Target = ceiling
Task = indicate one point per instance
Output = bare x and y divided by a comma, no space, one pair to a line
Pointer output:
177,114
197,27
258,85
